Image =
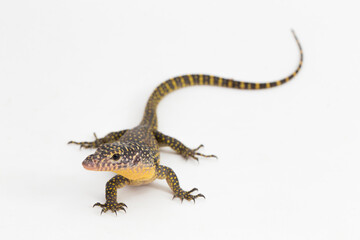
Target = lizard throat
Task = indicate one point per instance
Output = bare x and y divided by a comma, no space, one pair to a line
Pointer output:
139,173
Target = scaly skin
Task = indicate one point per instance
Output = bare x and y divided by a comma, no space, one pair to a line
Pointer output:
134,154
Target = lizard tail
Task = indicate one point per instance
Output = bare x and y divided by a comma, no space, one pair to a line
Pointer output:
173,84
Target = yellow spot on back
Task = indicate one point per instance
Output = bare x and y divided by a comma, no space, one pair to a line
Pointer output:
294,74
242,85
287,79
230,83
249,85
267,85
278,83
220,81
257,85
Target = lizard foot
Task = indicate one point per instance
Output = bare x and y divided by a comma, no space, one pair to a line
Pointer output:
113,207
93,144
187,195
193,153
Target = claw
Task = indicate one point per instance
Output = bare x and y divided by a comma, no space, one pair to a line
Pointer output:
198,147
180,197
193,153
192,190
73,142
200,195
123,205
84,144
187,195
203,155
95,136
110,206
121,208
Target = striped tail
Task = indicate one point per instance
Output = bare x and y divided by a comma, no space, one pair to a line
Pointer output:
173,84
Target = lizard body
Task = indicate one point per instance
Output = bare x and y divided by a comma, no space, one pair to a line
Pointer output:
134,153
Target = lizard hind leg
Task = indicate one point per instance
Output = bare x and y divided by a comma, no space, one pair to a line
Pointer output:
179,147
163,172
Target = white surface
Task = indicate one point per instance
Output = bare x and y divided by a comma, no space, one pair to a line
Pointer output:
289,158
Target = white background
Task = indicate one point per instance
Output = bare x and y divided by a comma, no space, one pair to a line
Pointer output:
289,158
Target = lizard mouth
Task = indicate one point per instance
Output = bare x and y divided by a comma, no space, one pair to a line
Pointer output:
93,164
88,164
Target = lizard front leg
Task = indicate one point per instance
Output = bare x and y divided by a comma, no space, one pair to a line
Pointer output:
178,146
163,172
111,194
109,138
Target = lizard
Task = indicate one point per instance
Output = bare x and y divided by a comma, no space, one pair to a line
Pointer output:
133,154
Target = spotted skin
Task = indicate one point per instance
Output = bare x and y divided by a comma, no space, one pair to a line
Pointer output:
163,172
178,146
109,138
111,194
133,154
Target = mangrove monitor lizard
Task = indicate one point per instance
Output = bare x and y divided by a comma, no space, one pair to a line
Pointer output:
133,154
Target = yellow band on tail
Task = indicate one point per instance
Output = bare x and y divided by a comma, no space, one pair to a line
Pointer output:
200,79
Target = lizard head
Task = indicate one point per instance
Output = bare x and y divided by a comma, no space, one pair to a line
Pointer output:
118,157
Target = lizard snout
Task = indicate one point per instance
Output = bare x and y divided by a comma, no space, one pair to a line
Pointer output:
89,163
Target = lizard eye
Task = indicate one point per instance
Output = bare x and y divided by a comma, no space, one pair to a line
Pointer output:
116,157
